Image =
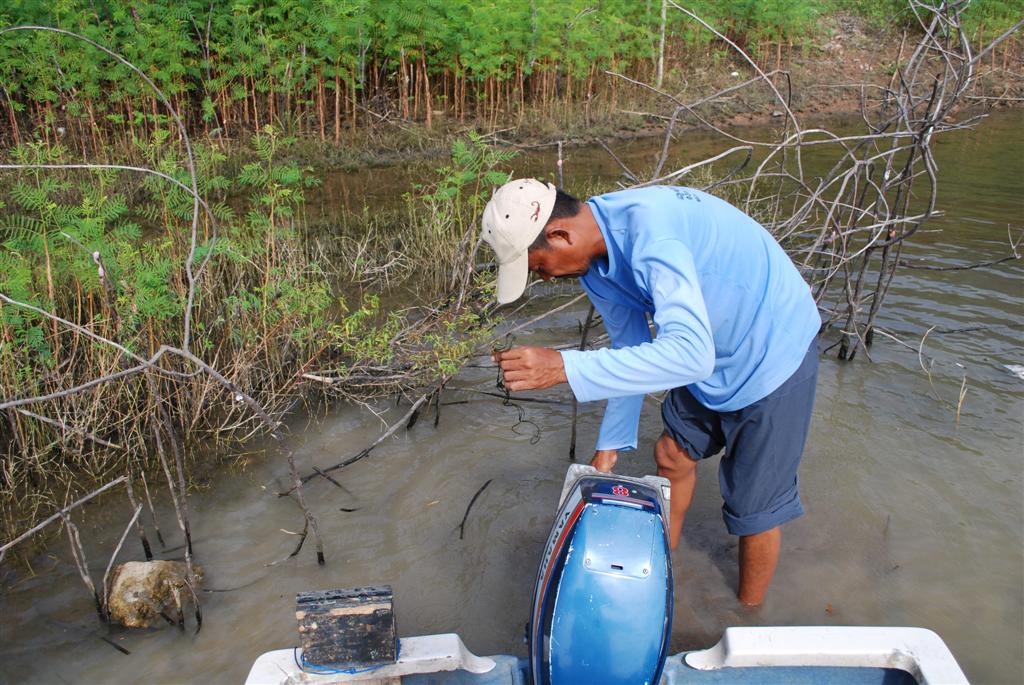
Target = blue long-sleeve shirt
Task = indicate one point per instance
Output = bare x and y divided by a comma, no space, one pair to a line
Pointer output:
733,316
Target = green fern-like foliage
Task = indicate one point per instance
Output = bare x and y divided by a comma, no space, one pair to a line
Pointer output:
151,292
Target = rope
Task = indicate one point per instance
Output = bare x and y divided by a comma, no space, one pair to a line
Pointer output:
510,341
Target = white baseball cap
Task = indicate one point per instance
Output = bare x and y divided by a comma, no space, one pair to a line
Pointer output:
512,220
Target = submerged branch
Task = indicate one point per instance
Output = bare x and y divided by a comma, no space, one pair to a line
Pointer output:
60,514
469,507
318,472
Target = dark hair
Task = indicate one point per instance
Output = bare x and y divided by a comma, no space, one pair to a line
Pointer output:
565,206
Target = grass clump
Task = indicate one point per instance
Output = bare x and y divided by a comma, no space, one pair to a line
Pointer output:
281,316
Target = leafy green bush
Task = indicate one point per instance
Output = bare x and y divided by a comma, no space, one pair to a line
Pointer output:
318,67
107,254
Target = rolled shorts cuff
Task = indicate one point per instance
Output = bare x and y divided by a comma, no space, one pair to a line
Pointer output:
752,524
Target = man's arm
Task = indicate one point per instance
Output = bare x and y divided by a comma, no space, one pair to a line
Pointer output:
683,352
530,368
626,327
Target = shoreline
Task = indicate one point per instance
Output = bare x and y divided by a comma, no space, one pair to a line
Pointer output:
826,82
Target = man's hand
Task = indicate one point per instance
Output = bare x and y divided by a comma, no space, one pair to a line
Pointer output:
531,368
604,460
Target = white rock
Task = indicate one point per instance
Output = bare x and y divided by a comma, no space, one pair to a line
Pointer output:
141,590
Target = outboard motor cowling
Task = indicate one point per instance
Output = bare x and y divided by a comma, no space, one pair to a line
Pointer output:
602,607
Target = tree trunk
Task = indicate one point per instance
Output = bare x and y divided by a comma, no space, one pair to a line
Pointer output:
460,76
661,45
355,119
322,104
53,297
271,102
255,104
15,131
222,100
93,127
337,103
428,103
403,84
414,69
245,100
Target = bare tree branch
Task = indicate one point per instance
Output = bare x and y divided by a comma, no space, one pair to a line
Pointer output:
43,524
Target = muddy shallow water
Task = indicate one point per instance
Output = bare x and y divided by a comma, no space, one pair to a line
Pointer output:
912,518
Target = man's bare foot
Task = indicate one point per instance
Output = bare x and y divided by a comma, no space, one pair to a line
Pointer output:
604,460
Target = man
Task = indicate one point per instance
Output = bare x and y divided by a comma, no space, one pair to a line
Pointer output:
736,342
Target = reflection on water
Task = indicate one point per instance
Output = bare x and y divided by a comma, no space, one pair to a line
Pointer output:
912,518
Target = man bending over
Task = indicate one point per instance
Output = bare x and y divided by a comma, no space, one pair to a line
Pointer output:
736,342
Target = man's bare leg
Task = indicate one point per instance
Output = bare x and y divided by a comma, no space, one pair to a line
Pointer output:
675,464
759,555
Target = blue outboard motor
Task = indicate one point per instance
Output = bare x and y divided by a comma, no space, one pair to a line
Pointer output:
602,605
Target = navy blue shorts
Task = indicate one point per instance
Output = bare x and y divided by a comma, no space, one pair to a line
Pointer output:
763,444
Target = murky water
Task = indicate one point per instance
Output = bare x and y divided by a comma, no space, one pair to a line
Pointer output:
913,518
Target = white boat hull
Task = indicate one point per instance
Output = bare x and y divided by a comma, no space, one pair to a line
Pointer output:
842,654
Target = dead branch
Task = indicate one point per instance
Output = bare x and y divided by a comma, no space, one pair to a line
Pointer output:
366,450
182,524
113,557
178,492
846,228
584,330
78,554
152,512
140,529
39,526
68,429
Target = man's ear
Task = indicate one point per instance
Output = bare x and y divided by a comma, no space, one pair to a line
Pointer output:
558,233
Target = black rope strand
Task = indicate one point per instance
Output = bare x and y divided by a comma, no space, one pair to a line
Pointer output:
507,400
